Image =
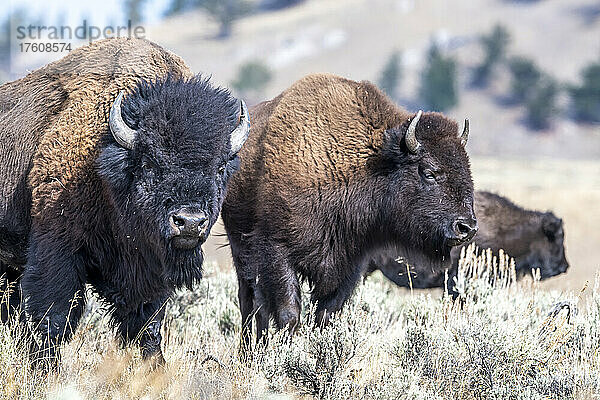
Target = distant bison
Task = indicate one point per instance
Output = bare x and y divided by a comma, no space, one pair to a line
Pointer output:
114,164
534,239
334,171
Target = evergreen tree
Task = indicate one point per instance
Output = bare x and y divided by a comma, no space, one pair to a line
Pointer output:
586,98
133,10
5,45
438,81
541,104
16,18
494,45
278,4
391,75
252,78
225,12
177,6
525,77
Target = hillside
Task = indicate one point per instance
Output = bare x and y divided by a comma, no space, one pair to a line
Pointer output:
354,38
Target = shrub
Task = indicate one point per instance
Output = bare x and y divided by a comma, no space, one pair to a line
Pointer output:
499,340
252,78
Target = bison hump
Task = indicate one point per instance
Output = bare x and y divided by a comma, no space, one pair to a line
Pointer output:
323,129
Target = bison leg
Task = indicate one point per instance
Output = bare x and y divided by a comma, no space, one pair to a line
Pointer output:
450,285
262,315
245,298
10,292
279,288
328,306
245,293
332,302
252,305
54,292
142,327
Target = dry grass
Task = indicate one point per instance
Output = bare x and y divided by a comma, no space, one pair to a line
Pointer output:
500,340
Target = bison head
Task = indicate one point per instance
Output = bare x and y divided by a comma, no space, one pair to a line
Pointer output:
430,190
544,241
172,148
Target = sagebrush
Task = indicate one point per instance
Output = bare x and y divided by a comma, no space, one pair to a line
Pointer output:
498,340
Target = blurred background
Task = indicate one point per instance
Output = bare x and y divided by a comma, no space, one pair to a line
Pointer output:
525,72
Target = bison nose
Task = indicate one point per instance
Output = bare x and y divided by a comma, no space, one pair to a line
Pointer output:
464,229
189,224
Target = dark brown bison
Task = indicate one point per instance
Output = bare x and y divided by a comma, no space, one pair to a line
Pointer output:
332,172
114,164
534,239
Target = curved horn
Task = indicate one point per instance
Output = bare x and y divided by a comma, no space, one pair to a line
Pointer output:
465,135
240,133
123,134
411,140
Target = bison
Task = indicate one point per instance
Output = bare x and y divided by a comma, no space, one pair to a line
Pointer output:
533,238
333,171
114,164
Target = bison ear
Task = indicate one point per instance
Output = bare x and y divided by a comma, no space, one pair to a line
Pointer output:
122,133
241,132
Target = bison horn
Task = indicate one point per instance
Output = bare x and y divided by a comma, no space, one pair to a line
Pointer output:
240,133
411,139
465,135
123,134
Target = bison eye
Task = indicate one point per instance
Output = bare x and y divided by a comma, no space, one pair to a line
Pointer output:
222,169
429,175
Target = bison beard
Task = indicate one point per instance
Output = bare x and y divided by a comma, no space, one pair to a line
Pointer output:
333,171
124,203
